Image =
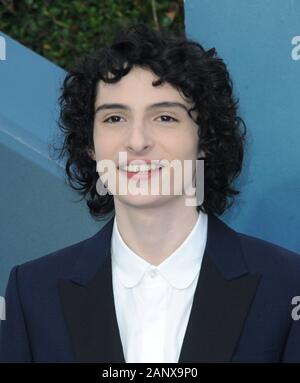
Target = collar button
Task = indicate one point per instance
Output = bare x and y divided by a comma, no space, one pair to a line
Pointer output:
153,273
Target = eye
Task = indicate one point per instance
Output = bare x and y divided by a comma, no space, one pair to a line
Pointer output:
112,119
109,118
168,117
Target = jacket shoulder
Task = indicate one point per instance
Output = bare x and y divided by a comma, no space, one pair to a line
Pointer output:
270,258
45,270
55,260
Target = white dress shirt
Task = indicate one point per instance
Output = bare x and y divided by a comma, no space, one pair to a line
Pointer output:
153,303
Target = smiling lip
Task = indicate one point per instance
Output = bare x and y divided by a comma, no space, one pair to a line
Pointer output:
139,162
141,175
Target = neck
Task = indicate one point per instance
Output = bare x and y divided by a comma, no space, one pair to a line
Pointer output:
155,233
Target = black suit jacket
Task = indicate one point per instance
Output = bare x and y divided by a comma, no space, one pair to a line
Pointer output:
60,307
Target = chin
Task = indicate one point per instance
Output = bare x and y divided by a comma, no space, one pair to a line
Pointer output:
143,200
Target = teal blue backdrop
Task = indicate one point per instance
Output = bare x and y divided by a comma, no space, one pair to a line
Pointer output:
259,41
39,212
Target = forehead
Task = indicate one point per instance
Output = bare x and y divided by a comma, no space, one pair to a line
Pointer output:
137,87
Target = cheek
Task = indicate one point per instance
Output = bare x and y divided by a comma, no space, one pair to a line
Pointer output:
185,146
105,145
192,142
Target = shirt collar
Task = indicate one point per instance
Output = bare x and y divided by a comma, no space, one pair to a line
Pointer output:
179,269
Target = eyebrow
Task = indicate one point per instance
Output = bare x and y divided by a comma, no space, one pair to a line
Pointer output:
163,104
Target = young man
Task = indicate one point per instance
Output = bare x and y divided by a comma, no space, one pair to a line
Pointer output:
161,281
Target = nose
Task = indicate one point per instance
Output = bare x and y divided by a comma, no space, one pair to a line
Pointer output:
138,141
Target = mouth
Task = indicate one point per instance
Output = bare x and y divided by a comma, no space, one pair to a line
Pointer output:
142,174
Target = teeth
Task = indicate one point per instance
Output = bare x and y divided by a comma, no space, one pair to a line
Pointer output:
140,168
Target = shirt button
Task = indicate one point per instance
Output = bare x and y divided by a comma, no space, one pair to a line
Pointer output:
153,273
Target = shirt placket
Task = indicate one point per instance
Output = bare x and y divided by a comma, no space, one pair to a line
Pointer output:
152,295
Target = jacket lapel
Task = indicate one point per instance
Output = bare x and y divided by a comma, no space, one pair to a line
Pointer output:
218,313
222,299
88,303
221,302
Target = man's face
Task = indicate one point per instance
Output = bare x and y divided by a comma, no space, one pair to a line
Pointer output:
144,132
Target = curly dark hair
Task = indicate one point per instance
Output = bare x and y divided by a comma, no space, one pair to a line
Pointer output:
198,73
